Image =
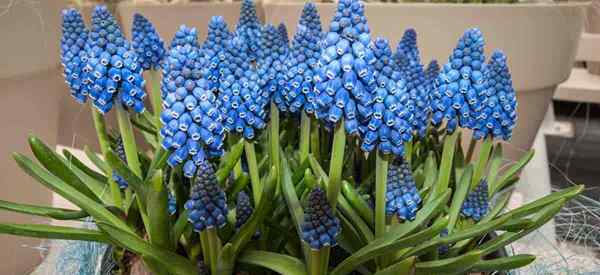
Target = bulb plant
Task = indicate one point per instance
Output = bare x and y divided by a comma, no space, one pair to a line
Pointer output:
327,154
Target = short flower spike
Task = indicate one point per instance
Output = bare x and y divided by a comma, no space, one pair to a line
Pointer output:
388,126
432,71
461,84
147,43
476,204
120,151
346,78
215,50
320,227
283,33
113,66
241,99
499,113
185,35
444,248
73,55
249,28
243,211
192,124
310,18
407,50
207,206
272,65
402,197
248,13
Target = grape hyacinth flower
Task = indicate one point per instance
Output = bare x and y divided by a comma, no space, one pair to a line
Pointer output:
320,227
113,68
192,124
243,211
432,71
283,33
498,115
249,28
73,55
444,249
207,205
476,204
402,197
460,84
172,204
185,36
120,151
302,62
241,99
147,43
346,78
388,126
407,52
214,49
271,65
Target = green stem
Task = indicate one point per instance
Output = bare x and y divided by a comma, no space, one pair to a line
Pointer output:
446,164
315,262
381,170
324,262
154,79
237,169
253,170
336,164
484,155
205,246
214,246
315,144
274,137
131,152
408,150
304,136
100,125
471,150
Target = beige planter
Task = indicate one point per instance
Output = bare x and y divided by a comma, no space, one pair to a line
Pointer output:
539,39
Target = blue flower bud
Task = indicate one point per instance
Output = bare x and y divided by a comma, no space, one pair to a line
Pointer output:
476,205
147,43
207,206
402,197
320,227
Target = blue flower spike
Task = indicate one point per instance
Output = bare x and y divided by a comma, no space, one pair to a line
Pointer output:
73,55
476,205
172,204
147,43
346,78
320,227
432,71
249,28
113,66
241,99
402,196
283,33
207,205
298,92
215,50
192,124
272,65
243,211
120,151
185,36
388,123
498,115
407,52
457,97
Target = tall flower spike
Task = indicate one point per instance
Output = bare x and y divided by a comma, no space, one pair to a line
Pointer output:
248,13
241,99
476,204
185,35
207,205
283,33
192,124
388,125
432,71
461,84
120,151
114,72
214,48
73,55
320,227
346,78
249,28
302,62
402,197
407,50
271,65
147,43
498,115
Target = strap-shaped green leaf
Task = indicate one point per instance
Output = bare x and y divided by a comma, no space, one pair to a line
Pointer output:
54,183
53,232
403,267
229,160
57,166
511,172
279,263
72,159
504,263
358,203
158,213
495,163
98,162
462,189
44,211
158,162
293,204
134,181
535,206
456,265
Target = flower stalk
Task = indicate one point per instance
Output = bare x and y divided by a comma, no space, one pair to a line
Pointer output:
484,153
100,126
381,172
253,170
336,164
155,79
274,137
304,137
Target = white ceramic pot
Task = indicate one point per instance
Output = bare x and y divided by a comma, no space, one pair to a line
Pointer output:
539,39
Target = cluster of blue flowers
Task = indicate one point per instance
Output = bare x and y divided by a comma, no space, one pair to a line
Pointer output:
298,94
214,49
249,29
498,115
271,65
320,226
192,124
185,36
402,198
73,55
283,33
113,66
476,204
147,43
207,205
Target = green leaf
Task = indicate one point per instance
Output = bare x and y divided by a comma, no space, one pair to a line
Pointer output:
134,181
158,162
431,173
45,231
504,263
279,263
100,188
84,168
494,167
179,227
158,213
445,171
511,172
172,262
50,212
403,267
56,165
229,160
291,198
98,162
456,265
54,183
535,206
462,189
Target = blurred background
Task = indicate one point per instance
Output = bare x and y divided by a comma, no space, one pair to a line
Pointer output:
554,56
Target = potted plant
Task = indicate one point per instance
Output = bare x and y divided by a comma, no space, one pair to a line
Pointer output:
320,157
